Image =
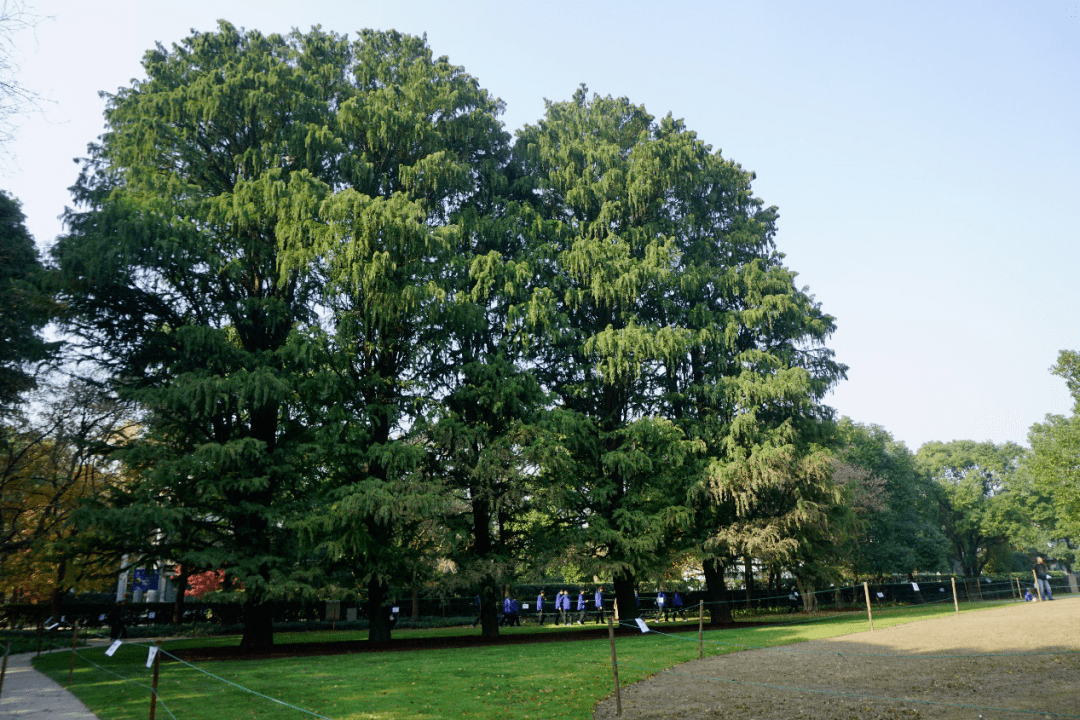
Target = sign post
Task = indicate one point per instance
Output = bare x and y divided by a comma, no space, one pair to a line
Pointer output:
700,628
869,612
614,668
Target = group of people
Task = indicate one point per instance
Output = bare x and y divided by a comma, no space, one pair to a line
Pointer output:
565,608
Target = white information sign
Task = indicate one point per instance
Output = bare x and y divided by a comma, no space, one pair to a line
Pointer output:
101,617
113,648
524,606
151,614
915,586
396,610
641,624
881,595
151,655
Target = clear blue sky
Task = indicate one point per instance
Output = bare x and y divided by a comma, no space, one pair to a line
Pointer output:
924,155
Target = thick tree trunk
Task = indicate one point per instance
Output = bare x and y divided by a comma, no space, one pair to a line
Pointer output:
483,550
489,609
719,605
415,602
258,624
748,575
58,590
624,595
178,602
377,611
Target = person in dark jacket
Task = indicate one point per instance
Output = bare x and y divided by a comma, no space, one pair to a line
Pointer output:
581,606
677,606
1042,579
540,609
598,604
118,620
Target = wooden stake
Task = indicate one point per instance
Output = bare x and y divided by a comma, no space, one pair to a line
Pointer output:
955,602
1038,589
153,687
614,668
1019,589
3,667
869,613
74,638
700,629
40,632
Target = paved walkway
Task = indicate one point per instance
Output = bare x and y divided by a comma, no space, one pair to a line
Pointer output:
30,695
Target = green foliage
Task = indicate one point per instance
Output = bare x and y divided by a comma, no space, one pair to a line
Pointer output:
1051,471
24,306
976,506
902,531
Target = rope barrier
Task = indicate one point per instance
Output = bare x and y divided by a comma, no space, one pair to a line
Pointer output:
241,687
127,679
204,672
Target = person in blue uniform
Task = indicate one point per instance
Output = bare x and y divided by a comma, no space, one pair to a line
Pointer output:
540,609
661,605
598,603
677,606
581,606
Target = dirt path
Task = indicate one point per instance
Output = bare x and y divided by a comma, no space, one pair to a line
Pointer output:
778,684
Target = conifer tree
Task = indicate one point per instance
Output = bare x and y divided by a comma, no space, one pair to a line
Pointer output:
419,137
173,282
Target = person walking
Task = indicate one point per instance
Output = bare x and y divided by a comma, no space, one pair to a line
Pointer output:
661,605
598,603
677,606
1042,579
508,611
540,609
477,602
580,606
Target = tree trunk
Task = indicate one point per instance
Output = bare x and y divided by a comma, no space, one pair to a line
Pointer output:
748,575
716,591
624,595
58,590
809,597
415,602
489,609
258,624
178,602
483,550
377,611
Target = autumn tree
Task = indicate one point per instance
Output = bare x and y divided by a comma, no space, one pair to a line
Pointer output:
51,468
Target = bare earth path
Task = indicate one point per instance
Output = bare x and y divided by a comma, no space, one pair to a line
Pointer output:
777,684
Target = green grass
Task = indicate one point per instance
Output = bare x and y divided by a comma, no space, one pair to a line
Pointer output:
548,680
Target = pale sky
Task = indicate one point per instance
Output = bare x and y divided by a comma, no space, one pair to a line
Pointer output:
923,155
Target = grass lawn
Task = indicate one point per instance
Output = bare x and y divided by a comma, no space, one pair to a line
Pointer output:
545,680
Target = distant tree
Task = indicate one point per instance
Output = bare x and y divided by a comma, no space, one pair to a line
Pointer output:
1053,468
24,307
903,533
976,510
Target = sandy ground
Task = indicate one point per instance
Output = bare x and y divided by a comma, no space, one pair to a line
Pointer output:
904,680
